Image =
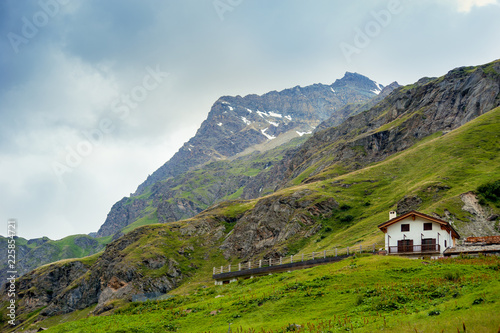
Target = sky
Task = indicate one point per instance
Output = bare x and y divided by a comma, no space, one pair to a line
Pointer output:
96,95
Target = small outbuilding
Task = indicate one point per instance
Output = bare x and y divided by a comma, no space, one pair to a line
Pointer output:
417,234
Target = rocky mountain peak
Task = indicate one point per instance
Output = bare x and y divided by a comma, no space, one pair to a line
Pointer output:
357,81
235,127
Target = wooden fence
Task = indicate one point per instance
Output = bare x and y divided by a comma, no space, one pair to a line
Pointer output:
293,258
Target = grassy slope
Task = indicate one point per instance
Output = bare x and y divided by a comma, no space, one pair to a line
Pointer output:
366,294
437,169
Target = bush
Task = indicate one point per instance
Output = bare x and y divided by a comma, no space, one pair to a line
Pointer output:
345,207
489,192
346,219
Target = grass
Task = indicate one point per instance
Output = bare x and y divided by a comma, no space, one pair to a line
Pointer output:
364,294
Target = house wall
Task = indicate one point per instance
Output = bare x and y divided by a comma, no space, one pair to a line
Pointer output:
416,232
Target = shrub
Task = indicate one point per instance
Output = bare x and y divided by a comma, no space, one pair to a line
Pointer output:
434,313
489,192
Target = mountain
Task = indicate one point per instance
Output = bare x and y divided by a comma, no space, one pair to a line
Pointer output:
404,117
235,128
36,252
431,146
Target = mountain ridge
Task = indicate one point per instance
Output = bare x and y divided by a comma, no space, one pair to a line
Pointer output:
233,126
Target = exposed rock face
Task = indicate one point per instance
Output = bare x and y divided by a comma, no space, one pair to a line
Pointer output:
66,286
122,214
353,109
41,251
407,115
482,221
408,204
273,221
234,126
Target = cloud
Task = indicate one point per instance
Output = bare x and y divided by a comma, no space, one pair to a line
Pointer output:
63,82
465,6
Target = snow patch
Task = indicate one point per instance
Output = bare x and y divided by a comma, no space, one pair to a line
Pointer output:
302,133
274,114
219,124
230,108
246,121
288,117
262,114
273,123
249,110
224,102
270,137
333,91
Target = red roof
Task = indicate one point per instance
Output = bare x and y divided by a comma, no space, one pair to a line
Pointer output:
445,225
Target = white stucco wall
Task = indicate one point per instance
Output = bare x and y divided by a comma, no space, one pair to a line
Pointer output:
394,233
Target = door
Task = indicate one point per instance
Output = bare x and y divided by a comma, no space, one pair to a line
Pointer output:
405,245
429,244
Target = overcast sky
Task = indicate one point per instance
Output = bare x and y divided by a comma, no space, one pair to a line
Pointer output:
96,95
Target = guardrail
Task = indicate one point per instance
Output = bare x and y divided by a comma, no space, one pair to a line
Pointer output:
293,258
415,248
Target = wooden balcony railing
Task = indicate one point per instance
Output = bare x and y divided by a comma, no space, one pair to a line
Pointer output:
415,248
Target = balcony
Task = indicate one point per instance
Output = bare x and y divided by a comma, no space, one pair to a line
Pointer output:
425,248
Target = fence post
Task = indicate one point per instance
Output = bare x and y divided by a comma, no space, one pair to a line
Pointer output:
214,270
360,249
313,255
250,264
229,267
335,251
239,266
281,261
221,269
260,263
291,259
373,247
348,250
324,254
302,256
270,262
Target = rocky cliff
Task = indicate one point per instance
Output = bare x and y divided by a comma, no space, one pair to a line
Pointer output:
36,252
235,127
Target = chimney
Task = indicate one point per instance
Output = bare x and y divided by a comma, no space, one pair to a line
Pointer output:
392,214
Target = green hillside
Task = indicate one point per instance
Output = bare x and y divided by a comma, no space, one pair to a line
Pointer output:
437,170
364,294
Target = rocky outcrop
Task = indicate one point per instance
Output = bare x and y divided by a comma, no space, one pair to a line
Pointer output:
482,222
274,220
408,203
122,214
41,251
133,264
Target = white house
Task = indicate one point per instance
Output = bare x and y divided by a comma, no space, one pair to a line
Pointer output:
417,234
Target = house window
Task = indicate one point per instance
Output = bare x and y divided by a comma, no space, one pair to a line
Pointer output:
428,226
445,244
405,227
